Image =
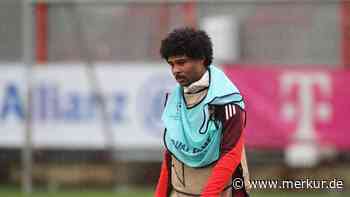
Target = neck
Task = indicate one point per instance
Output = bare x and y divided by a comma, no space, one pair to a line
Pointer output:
201,73
200,84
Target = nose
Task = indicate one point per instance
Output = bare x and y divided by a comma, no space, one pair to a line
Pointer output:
176,69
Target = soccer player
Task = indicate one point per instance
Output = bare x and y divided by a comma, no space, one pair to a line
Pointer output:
204,118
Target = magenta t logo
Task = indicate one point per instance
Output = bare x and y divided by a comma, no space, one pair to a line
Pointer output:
306,109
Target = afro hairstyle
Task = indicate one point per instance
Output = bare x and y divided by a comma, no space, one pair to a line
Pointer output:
190,42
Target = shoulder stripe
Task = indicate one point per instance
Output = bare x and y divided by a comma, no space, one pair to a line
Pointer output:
233,109
226,112
230,111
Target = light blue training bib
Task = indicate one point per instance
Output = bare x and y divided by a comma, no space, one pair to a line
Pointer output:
191,135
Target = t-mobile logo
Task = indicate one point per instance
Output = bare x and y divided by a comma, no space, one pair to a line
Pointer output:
309,109
301,104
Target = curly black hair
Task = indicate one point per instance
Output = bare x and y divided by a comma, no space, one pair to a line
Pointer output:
190,42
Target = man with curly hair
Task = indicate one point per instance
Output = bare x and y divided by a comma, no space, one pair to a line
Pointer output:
204,118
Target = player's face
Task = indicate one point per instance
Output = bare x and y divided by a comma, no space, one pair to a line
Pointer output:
186,70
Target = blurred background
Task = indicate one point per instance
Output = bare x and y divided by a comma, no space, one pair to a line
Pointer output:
82,89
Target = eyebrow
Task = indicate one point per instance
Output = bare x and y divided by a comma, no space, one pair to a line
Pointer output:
178,60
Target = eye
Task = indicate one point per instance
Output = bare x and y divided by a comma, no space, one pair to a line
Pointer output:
171,64
181,61
178,62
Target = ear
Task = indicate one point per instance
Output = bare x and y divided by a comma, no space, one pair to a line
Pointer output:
203,62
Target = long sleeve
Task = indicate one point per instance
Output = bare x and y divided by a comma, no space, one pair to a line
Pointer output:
231,150
163,186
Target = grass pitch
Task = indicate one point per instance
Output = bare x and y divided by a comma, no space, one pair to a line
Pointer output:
6,191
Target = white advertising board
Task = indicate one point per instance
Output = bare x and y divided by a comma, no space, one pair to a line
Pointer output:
65,114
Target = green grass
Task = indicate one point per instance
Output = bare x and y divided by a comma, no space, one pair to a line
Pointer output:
298,194
14,192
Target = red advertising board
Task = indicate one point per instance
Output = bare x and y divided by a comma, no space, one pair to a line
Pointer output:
287,104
